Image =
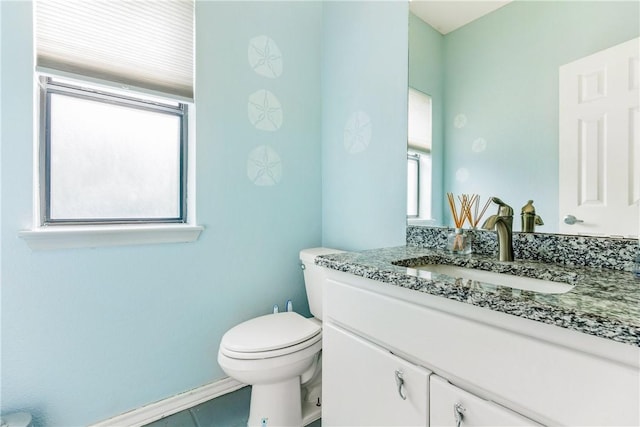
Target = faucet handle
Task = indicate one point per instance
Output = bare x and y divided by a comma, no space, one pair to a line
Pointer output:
503,208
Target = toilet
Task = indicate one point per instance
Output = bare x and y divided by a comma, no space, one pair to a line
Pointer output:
279,355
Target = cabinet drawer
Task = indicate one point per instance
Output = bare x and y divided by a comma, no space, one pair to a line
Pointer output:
447,400
360,385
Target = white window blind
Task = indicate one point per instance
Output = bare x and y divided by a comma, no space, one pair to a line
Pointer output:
139,43
419,131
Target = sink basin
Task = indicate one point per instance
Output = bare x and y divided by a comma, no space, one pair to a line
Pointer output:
499,279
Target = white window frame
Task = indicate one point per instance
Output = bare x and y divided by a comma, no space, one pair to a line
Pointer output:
50,86
413,157
43,236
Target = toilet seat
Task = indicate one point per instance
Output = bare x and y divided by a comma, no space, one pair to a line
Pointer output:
268,336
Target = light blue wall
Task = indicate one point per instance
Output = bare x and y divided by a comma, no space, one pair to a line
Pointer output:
426,74
364,73
502,73
88,334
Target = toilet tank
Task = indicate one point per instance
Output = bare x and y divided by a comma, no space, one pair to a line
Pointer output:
314,277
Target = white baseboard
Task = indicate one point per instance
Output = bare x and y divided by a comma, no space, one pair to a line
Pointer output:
163,408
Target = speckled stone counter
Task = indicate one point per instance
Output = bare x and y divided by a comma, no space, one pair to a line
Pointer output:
604,302
585,251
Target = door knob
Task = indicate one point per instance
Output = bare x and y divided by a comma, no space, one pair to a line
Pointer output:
570,219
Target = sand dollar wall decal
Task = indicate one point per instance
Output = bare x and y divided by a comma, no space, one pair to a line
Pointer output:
265,57
460,121
265,111
479,145
357,132
264,166
462,175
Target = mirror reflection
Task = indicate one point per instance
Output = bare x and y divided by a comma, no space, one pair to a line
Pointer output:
420,123
493,91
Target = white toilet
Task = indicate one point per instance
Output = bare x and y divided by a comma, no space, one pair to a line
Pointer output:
278,353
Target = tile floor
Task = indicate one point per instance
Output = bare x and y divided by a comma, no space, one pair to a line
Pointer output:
229,410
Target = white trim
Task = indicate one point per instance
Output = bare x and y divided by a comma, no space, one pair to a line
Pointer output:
172,405
65,237
78,236
129,90
420,221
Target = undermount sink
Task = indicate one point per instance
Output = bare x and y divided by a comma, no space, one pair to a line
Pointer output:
499,279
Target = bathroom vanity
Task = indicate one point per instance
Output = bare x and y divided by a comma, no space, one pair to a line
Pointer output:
404,345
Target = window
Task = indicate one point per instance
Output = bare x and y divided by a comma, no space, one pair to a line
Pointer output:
413,185
110,158
419,155
115,80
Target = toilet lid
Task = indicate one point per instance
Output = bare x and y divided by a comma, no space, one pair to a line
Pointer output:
270,332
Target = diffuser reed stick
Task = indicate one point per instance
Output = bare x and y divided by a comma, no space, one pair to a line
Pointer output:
466,202
464,215
474,219
469,209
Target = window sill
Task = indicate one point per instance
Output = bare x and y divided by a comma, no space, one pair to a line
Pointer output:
66,237
423,222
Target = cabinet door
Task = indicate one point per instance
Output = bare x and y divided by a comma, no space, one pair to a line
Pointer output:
449,403
364,385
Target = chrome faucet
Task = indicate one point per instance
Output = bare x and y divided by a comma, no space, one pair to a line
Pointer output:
503,224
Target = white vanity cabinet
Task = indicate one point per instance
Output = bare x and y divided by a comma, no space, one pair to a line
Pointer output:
451,406
506,369
366,385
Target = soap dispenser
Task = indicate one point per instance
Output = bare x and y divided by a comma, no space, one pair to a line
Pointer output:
529,218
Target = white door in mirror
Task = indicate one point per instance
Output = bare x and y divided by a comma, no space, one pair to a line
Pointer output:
599,142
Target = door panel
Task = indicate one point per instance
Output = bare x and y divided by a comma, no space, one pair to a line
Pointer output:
599,142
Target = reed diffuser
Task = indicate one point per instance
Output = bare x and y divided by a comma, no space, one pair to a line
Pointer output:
474,213
460,241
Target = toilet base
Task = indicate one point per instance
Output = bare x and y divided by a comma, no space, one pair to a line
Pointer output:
277,404
310,413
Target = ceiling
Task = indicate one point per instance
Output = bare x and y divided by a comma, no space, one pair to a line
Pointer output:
448,15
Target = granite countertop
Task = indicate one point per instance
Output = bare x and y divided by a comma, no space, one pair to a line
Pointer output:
603,302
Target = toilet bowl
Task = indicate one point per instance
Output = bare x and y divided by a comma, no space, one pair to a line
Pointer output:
279,355
270,348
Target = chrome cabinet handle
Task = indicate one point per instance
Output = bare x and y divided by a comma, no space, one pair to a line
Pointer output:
570,219
400,384
458,413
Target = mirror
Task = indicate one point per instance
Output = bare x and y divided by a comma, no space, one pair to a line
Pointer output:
494,92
